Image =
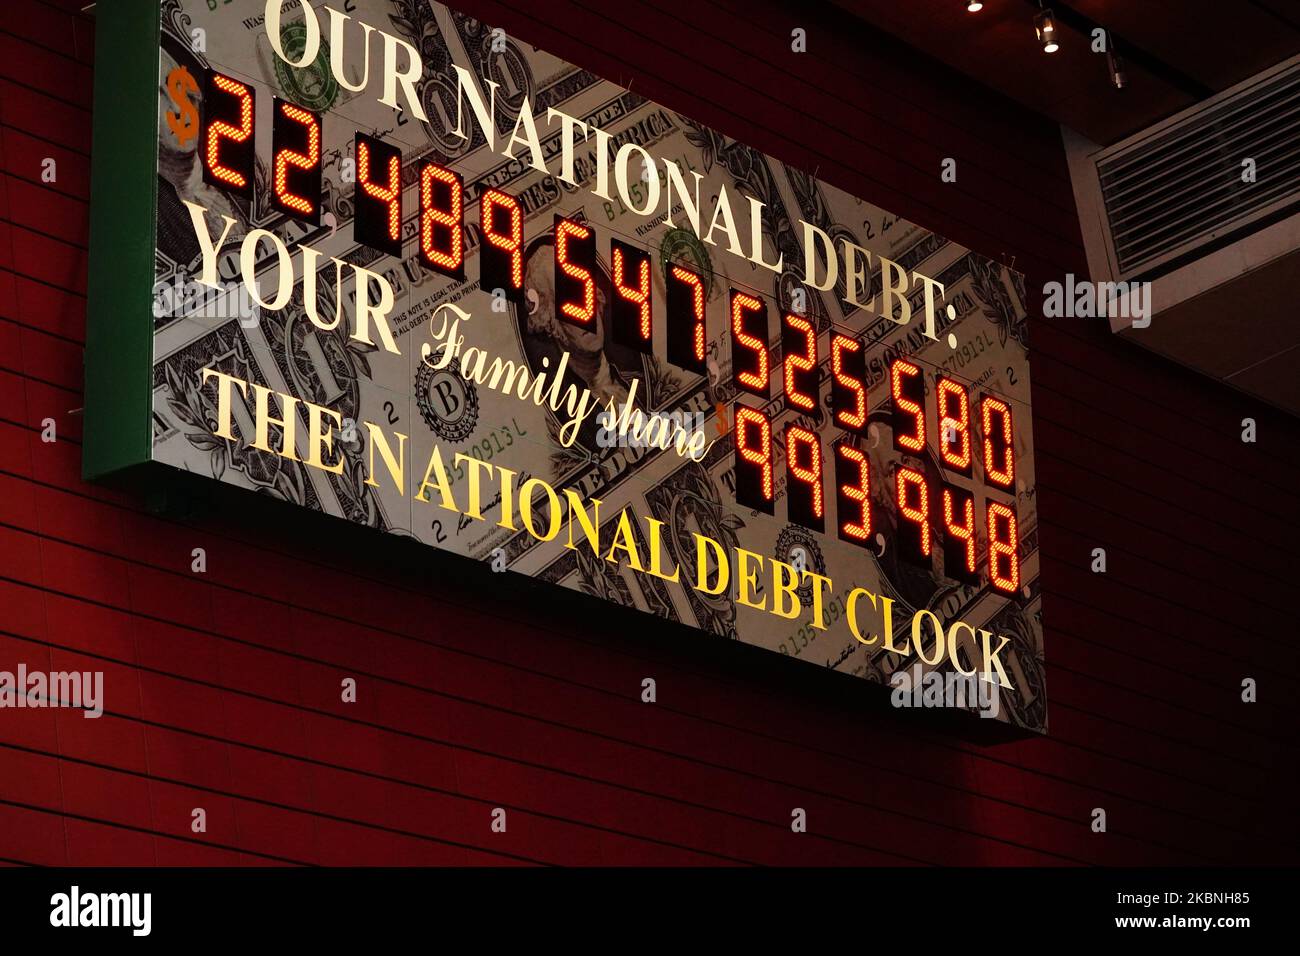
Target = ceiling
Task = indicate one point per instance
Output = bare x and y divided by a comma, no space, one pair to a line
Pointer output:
1175,52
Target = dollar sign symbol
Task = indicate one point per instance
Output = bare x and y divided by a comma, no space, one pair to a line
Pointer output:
184,123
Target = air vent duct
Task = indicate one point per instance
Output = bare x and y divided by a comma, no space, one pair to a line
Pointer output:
1176,191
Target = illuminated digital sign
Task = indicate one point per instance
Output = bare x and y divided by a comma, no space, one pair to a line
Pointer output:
517,312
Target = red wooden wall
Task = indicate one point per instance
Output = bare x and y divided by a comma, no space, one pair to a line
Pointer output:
222,690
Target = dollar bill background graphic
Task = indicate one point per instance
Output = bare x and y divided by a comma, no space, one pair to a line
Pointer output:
286,352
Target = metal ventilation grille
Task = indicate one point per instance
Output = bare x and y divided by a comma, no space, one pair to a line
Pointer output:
1176,188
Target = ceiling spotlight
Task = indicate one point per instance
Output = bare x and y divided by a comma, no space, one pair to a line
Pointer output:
1045,25
974,6
1115,65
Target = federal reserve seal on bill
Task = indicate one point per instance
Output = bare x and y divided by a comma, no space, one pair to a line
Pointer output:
448,403
798,547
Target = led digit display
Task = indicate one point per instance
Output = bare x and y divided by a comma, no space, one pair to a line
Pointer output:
501,257
799,348
442,221
805,499
996,427
913,498
378,222
749,343
753,438
959,535
848,384
853,493
630,309
686,342
954,425
1004,552
295,174
228,110
907,388
575,263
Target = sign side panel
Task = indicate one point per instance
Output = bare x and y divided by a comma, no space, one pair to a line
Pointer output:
119,333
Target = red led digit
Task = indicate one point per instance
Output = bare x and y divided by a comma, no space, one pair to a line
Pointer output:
753,437
954,425
853,493
630,310
442,217
378,222
913,495
999,458
228,134
575,258
390,193
848,393
749,342
295,169
686,341
1004,555
805,502
799,346
907,386
501,260
959,535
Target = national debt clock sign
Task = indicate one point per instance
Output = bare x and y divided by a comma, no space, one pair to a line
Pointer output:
380,260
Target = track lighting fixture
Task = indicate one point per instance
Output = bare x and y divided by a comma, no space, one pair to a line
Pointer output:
1045,26
1115,66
